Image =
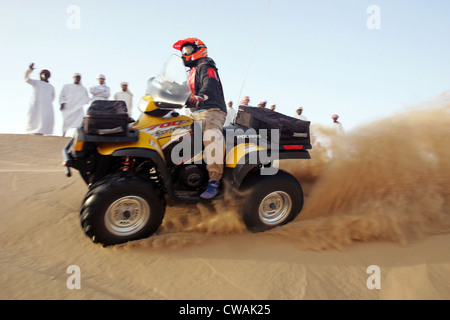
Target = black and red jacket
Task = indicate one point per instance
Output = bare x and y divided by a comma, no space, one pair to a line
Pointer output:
204,80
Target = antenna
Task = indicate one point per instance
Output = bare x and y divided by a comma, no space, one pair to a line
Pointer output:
254,49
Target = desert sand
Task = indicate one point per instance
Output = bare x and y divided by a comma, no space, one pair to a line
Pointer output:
382,199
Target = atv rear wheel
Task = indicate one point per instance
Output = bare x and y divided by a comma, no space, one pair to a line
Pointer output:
121,208
271,201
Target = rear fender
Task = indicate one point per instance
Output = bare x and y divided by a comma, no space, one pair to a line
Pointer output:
255,161
258,160
242,153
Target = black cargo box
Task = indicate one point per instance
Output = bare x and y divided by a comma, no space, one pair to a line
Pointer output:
107,107
292,130
105,117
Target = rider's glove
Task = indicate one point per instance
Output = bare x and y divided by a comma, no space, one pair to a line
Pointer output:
194,101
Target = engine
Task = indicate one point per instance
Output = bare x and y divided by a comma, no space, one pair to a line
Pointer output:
193,177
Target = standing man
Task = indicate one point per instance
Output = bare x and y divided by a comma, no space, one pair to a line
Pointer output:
127,96
72,99
231,113
299,115
262,104
245,101
100,92
40,118
336,124
207,105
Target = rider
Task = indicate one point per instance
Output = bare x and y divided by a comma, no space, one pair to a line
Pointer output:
207,105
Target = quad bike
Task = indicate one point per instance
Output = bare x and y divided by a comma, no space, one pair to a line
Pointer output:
134,174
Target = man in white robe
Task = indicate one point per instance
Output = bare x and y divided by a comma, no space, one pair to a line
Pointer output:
299,114
127,96
73,98
40,119
100,92
231,113
336,125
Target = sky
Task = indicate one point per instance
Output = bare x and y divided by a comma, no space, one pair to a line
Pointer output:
363,60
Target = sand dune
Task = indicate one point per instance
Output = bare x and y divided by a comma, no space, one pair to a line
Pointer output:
383,200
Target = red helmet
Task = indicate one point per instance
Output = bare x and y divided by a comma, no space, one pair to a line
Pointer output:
191,49
335,116
46,72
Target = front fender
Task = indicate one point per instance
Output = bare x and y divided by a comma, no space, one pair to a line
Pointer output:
159,162
145,142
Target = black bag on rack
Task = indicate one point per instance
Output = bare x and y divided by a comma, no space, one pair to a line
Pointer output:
106,117
292,130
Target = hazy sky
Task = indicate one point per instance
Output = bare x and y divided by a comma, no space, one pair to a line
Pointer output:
361,59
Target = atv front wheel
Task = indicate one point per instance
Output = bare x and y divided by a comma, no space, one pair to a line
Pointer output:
121,208
271,201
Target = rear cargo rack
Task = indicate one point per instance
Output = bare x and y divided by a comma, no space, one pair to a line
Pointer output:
132,136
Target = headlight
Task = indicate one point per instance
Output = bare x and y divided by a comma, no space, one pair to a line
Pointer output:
142,105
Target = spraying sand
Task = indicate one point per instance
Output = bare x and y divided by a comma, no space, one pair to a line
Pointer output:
378,195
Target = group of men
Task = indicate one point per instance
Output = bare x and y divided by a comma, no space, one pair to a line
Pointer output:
262,104
335,118
73,97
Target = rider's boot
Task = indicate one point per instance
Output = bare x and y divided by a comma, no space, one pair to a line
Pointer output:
212,190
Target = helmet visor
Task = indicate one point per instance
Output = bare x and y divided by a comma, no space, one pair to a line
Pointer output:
187,50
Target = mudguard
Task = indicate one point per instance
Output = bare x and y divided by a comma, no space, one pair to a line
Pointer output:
159,162
257,160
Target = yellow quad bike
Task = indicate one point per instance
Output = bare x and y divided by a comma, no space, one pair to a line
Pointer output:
160,160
